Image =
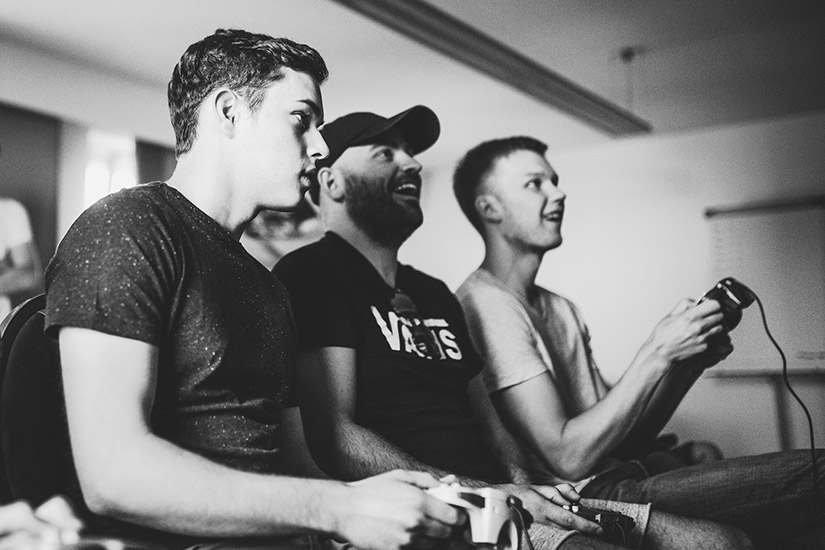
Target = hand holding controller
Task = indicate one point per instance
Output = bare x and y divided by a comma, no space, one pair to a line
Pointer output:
616,526
490,511
733,296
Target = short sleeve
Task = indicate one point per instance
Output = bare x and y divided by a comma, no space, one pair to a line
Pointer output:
502,333
321,300
114,272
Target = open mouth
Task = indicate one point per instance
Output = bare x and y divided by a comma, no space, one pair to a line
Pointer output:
407,187
307,176
554,216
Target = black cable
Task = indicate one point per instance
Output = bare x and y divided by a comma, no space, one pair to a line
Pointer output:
623,534
814,466
517,513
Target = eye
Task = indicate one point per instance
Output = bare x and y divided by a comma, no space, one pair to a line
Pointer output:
384,153
304,119
533,184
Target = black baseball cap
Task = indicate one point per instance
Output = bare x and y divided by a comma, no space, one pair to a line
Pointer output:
418,125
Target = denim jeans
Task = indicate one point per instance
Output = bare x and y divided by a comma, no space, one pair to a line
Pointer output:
770,496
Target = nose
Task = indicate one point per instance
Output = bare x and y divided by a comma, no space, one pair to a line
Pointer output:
555,194
408,162
317,148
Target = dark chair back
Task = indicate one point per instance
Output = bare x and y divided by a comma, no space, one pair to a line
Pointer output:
35,457
35,454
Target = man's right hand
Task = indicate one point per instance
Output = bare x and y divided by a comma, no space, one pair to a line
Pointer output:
689,330
391,511
545,503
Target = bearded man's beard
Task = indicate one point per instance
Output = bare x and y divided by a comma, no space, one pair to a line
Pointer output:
372,208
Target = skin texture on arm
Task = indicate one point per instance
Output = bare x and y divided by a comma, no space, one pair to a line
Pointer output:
669,394
129,473
341,447
572,446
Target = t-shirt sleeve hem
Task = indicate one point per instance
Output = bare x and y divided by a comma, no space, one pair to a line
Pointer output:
139,333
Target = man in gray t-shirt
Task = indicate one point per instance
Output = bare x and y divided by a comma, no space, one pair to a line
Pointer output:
547,392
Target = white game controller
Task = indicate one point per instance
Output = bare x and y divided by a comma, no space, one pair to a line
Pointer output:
490,513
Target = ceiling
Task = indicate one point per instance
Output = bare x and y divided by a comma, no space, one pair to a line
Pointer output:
688,64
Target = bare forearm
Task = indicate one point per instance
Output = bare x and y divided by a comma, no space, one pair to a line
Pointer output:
156,484
360,452
589,437
573,447
660,408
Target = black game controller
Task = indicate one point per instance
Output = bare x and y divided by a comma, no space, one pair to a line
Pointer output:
733,296
616,526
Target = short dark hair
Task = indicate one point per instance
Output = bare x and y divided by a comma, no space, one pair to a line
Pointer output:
242,61
477,163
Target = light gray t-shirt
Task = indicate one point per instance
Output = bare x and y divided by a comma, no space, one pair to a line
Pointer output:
518,342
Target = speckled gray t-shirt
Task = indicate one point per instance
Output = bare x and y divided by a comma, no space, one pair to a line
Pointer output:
146,264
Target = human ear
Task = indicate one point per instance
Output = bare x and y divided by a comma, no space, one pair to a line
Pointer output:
330,185
226,109
488,208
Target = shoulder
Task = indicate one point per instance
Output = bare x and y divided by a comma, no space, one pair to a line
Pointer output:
129,226
314,259
481,292
133,207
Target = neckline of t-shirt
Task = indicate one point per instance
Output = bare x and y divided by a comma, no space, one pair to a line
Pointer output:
366,265
530,310
214,227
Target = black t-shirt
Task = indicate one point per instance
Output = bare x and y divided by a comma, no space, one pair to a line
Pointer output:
411,387
147,264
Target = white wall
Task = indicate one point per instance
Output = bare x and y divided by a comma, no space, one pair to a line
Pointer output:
636,241
79,94
84,98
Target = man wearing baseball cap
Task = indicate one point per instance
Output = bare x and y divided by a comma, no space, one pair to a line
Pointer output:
385,361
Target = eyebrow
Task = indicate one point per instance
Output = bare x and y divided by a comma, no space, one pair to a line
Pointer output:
554,179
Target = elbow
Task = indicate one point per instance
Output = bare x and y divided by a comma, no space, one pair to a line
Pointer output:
572,469
105,492
99,504
567,464
100,501
333,444
325,449
324,458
